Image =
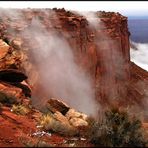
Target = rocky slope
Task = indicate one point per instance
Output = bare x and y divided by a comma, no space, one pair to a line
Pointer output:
103,53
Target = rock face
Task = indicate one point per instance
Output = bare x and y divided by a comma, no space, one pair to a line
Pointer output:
103,52
138,87
10,74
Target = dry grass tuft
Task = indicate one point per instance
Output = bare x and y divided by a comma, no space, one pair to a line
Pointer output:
20,109
49,123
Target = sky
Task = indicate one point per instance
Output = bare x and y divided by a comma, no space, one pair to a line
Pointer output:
126,8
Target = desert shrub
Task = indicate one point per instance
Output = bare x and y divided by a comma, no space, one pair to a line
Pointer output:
117,128
7,99
20,109
49,123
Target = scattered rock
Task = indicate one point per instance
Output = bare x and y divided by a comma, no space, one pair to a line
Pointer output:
41,133
83,139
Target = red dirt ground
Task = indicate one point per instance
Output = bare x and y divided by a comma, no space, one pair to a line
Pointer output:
17,130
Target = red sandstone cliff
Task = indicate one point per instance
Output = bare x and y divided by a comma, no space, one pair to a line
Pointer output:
106,59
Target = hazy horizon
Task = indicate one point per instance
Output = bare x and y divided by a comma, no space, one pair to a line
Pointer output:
127,8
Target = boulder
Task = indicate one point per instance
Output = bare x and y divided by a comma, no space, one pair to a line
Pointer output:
58,116
4,47
54,105
76,119
74,114
78,122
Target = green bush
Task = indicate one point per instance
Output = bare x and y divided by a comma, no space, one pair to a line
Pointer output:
117,128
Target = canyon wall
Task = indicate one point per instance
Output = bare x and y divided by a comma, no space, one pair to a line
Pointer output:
103,53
